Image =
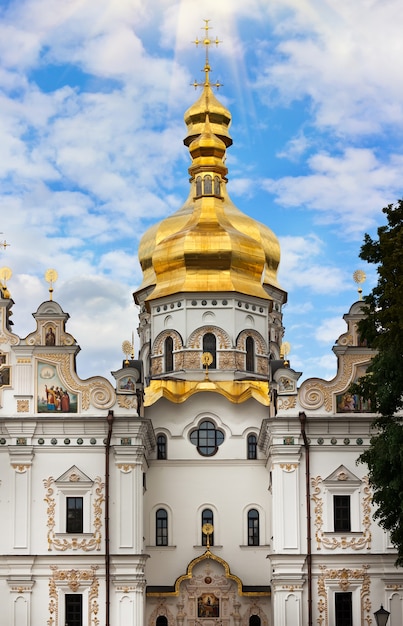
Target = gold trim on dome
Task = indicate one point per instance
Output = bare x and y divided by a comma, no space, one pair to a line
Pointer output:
344,577
189,575
355,543
179,391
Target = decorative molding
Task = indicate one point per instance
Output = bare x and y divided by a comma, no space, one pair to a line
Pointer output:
98,391
344,578
127,402
22,406
20,468
74,579
288,467
126,468
223,338
316,392
356,543
87,545
283,404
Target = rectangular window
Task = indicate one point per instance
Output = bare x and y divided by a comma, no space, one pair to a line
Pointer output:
343,604
73,609
161,538
341,513
74,515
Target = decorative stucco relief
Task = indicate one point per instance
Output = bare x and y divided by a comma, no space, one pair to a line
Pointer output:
97,391
75,543
315,392
74,579
356,543
344,578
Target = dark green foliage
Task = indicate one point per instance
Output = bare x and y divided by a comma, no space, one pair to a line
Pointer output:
382,327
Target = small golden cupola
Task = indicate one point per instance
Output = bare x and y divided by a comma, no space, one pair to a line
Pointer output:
208,245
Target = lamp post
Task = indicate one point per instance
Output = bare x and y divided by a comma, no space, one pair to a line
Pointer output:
381,616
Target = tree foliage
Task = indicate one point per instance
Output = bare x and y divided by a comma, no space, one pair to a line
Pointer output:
382,328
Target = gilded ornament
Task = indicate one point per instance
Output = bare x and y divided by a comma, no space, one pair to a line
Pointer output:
355,543
22,406
315,393
344,577
87,545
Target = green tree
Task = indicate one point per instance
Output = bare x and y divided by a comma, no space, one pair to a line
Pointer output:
382,328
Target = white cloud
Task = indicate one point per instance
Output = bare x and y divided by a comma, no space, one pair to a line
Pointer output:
343,56
330,329
301,266
347,189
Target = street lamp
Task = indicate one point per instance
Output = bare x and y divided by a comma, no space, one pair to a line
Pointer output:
381,616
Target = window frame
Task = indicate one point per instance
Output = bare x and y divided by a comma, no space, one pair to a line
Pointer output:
253,527
207,517
210,345
161,527
251,447
202,439
341,513
162,447
340,613
68,597
168,354
250,350
74,515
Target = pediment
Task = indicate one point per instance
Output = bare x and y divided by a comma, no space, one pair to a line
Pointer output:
74,475
342,475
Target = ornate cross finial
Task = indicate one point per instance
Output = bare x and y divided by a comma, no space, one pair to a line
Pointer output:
359,277
206,43
51,277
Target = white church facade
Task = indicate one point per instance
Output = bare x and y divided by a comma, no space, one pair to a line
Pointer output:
205,487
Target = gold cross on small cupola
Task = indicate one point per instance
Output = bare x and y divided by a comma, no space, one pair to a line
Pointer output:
207,42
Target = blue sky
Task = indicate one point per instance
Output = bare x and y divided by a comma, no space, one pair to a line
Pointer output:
92,97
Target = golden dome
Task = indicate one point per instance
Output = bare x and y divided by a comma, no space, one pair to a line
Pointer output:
209,244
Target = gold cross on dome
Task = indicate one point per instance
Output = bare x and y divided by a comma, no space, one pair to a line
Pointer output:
206,41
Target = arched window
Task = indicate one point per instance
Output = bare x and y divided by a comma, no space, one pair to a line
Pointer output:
252,447
209,345
250,354
168,354
163,621
207,438
161,527
254,620
253,528
207,518
208,184
161,447
217,186
198,186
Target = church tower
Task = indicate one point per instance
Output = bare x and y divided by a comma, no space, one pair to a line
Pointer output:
210,324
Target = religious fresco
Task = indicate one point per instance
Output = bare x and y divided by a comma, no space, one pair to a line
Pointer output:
352,403
127,384
208,605
4,376
53,396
